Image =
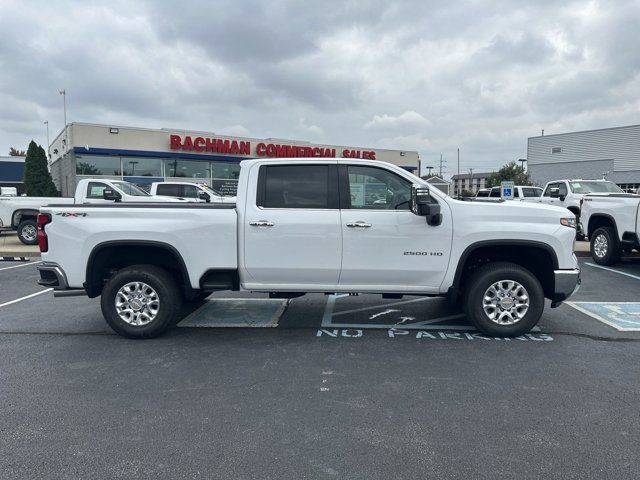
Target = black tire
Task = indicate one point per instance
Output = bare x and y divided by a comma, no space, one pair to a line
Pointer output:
28,232
488,275
167,293
605,248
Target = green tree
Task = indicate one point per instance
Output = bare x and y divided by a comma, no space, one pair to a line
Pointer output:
510,172
14,152
37,179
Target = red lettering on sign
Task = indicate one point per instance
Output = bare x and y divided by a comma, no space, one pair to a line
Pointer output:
198,144
223,146
176,143
260,149
245,148
188,143
234,148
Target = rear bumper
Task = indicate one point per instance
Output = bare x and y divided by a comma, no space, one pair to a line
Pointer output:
52,276
566,283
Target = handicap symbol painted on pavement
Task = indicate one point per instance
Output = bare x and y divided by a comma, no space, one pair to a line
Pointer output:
623,316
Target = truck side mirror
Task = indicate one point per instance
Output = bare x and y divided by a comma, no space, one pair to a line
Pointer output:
554,192
423,206
204,196
111,194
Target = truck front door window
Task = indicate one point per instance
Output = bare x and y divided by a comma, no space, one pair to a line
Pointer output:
95,189
377,189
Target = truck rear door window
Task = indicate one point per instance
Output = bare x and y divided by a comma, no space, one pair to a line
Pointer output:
296,186
169,190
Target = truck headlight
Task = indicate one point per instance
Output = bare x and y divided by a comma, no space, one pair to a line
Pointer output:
568,222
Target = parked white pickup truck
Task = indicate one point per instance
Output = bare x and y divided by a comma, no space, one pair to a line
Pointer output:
611,223
313,225
191,191
20,213
569,194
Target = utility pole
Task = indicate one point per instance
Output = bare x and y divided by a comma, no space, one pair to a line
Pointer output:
63,92
441,162
46,122
543,132
459,191
471,180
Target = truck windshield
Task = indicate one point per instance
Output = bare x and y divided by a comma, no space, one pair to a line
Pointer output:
131,189
595,187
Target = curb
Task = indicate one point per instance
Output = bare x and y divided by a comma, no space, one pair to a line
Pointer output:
17,256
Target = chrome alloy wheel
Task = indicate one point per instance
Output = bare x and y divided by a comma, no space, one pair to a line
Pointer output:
30,233
600,245
505,302
137,303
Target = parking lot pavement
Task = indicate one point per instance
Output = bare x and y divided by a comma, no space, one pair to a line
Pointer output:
334,387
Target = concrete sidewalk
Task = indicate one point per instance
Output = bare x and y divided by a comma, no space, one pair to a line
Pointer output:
10,246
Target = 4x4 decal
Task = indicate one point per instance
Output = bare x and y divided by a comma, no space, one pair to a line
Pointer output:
71,214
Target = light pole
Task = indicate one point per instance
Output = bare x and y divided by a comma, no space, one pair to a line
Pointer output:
63,92
46,122
471,180
522,162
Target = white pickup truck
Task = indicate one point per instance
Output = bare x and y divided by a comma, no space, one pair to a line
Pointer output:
569,194
191,191
611,223
313,225
20,213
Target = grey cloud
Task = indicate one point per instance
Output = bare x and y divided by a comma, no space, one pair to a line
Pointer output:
482,75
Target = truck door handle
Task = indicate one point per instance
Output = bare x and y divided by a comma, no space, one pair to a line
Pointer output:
359,224
261,223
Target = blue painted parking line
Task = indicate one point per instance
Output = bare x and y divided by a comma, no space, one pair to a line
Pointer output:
623,316
236,312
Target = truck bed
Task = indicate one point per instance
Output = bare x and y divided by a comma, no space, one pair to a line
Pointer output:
204,234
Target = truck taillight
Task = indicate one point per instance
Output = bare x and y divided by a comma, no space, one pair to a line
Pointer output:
43,243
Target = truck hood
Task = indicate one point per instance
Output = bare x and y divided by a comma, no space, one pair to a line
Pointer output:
507,210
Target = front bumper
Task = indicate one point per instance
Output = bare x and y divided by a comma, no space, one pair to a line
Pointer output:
52,276
566,283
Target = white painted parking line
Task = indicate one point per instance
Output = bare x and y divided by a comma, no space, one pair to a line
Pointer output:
25,297
21,265
612,270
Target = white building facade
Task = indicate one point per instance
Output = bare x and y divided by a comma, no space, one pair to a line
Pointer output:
142,155
611,153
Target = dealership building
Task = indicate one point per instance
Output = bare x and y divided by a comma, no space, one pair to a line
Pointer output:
611,153
142,156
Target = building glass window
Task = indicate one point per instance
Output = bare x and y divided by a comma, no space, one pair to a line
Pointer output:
142,167
225,170
98,165
177,168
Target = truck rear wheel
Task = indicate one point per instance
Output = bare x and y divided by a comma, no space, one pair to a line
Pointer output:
503,299
28,232
604,246
141,301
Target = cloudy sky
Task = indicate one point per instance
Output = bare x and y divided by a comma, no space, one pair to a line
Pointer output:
416,75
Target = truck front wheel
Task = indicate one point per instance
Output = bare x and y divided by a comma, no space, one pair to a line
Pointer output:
503,299
604,246
141,301
28,232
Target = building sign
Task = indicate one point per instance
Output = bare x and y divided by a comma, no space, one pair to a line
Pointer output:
261,149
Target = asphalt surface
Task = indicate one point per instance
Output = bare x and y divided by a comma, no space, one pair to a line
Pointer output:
415,394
